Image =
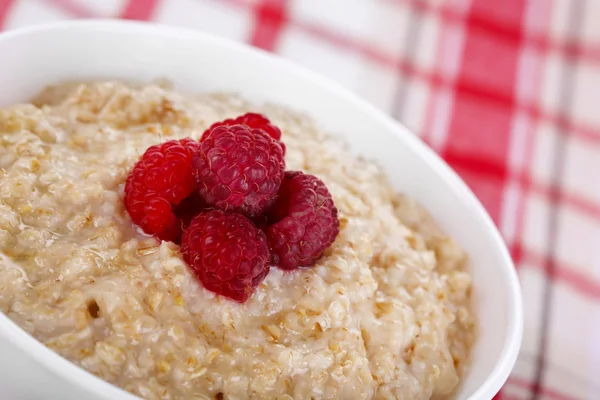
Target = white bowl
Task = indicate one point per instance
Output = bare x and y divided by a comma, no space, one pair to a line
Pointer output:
195,62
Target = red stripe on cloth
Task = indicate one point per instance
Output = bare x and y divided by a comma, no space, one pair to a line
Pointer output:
270,18
484,171
547,393
570,48
557,196
436,99
73,8
492,170
544,17
580,282
581,131
566,124
142,10
434,94
482,126
5,8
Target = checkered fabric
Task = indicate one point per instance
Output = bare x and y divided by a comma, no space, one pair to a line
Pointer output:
507,91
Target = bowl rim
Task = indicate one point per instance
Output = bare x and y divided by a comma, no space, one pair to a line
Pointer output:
89,382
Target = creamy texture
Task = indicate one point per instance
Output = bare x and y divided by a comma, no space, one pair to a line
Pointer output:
384,314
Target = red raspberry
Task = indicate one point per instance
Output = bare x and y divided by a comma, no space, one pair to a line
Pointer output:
239,169
227,252
252,120
158,183
304,221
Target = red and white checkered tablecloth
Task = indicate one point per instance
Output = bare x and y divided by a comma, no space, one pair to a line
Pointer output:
507,91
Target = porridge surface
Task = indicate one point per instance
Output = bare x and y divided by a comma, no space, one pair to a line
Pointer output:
383,315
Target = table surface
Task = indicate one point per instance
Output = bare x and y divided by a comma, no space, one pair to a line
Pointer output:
507,92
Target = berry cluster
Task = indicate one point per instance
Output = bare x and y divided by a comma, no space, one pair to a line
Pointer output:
229,202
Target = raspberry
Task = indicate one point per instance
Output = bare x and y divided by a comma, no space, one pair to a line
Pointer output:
303,220
251,120
227,252
158,184
239,169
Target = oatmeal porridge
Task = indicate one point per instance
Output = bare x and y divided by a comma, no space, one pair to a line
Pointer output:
383,314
